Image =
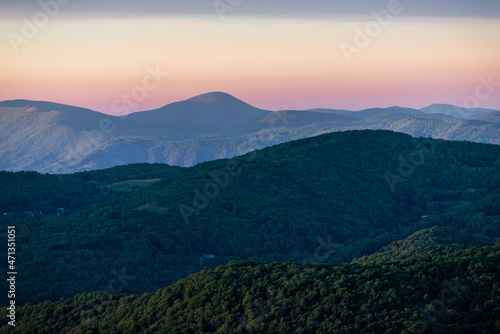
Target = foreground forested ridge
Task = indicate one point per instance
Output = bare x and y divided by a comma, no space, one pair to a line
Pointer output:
455,293
437,240
323,199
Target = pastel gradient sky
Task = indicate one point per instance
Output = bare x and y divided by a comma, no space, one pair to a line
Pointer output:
273,55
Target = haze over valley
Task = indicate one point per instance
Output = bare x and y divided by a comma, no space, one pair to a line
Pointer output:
250,167
55,138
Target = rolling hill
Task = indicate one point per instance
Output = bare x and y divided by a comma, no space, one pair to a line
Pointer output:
438,240
218,110
455,111
340,112
424,126
325,199
491,117
444,294
372,112
57,138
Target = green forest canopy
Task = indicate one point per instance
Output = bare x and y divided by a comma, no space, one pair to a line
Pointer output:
455,293
319,200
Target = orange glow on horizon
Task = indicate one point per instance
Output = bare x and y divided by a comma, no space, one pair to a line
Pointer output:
267,63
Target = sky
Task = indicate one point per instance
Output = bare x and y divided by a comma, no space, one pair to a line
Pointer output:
121,56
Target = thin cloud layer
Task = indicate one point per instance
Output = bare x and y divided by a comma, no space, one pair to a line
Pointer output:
307,9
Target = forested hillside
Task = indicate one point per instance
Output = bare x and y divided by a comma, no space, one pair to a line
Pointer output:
327,199
437,240
456,293
38,194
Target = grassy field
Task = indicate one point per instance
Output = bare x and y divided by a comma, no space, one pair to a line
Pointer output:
131,185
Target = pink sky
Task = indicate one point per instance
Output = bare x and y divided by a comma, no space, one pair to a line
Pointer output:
270,63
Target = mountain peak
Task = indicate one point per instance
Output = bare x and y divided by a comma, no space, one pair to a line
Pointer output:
213,97
45,106
216,109
22,103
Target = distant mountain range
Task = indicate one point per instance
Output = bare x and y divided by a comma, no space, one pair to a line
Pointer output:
57,138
